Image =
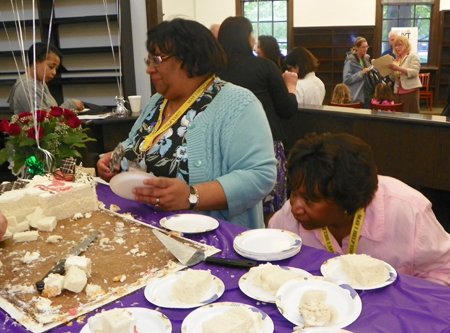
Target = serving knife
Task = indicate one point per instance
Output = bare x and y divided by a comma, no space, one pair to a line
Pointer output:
190,256
74,251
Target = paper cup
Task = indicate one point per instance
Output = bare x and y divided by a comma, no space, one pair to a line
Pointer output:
135,103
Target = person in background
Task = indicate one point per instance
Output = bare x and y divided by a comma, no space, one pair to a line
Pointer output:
334,182
341,94
267,47
356,65
44,69
392,36
3,225
275,91
214,28
383,95
310,89
207,141
406,75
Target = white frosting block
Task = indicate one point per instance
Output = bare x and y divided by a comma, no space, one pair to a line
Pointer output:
192,286
236,320
314,309
364,269
47,223
113,321
54,284
35,217
22,226
93,290
270,277
75,279
81,262
52,197
12,221
25,236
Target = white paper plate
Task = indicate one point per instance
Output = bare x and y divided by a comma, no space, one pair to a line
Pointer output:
332,269
259,294
124,183
148,321
267,244
194,321
159,289
342,297
189,223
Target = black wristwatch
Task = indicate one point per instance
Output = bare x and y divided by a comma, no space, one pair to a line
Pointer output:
193,198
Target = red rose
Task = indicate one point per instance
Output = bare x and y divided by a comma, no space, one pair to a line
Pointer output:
25,117
74,122
32,133
4,126
56,111
68,114
41,115
14,129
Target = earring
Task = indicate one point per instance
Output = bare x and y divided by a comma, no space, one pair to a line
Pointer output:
345,213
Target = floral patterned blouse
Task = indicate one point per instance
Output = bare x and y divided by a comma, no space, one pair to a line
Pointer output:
169,156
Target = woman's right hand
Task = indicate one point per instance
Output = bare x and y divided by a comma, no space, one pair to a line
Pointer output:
103,167
290,79
365,70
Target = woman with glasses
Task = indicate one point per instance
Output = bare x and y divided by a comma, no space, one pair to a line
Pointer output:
275,91
33,84
356,66
406,75
207,141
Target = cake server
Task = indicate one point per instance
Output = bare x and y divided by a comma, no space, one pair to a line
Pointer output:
190,256
74,251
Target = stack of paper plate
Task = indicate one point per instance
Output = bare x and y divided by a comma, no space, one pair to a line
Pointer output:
267,244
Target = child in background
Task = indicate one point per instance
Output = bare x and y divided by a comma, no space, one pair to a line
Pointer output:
341,94
383,95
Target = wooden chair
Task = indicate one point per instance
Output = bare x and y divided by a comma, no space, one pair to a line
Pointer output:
425,92
393,107
349,105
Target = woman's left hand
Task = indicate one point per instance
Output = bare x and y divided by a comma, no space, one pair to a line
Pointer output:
169,194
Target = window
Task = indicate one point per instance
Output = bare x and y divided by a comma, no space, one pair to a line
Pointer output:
269,18
408,16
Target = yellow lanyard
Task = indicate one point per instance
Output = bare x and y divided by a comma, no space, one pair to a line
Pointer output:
358,222
157,130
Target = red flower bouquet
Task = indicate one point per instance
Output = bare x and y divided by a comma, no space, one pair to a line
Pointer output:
59,132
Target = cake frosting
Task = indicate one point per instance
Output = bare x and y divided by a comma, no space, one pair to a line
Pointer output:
113,321
316,312
44,201
270,277
236,320
192,286
364,269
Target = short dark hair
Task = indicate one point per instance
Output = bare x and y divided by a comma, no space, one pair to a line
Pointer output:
42,50
234,34
270,47
341,167
304,59
191,43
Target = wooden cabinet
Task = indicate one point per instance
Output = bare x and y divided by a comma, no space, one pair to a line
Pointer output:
87,34
330,45
443,77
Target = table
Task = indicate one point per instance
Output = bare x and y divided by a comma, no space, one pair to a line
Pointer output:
408,305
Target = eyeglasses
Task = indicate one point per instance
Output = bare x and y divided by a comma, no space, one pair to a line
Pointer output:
364,47
155,60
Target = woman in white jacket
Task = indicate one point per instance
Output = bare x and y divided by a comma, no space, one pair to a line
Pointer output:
406,75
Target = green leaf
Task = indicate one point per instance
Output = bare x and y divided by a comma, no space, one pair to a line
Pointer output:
5,153
27,142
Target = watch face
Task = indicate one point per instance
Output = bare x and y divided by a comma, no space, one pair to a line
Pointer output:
193,198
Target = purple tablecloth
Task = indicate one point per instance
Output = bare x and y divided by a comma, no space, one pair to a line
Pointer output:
408,305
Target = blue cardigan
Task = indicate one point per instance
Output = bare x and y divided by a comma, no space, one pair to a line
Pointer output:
230,142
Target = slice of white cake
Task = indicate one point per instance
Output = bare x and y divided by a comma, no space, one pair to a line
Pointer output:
270,277
54,284
239,319
81,262
316,312
113,321
192,286
75,279
25,236
364,269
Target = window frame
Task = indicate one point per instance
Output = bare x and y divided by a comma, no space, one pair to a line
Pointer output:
290,18
433,54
